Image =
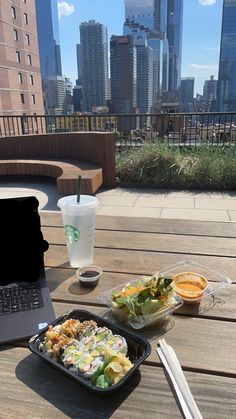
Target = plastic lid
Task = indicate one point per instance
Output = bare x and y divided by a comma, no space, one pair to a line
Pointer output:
71,201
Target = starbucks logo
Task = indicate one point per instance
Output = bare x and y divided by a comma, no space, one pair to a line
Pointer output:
72,233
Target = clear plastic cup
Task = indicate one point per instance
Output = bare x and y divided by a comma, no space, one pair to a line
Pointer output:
79,225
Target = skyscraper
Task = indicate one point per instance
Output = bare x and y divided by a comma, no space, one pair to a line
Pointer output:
174,36
186,94
210,89
20,81
151,20
123,74
226,92
144,78
54,84
94,68
79,65
147,20
48,33
138,18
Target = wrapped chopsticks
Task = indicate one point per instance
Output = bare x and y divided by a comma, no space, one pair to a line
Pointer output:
175,372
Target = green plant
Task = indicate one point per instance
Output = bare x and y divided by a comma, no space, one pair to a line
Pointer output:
156,165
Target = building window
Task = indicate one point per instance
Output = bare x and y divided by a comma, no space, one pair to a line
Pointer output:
31,80
22,98
17,57
24,1
27,39
15,35
20,79
13,12
33,99
25,18
29,59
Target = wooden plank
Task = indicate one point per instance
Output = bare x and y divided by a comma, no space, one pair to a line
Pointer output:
189,245
182,227
140,262
42,392
64,286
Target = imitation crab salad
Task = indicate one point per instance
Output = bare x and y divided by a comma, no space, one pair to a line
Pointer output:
86,349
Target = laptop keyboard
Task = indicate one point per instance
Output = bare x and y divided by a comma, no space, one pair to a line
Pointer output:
16,297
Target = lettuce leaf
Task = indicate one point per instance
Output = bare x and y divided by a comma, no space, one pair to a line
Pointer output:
151,306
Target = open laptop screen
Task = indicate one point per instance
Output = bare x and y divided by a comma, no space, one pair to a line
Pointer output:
22,243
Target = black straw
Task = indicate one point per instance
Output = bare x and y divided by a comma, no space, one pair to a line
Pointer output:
78,188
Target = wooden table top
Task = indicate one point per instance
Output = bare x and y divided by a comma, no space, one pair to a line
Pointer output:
205,341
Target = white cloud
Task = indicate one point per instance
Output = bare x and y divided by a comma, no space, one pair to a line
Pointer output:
64,9
211,48
207,2
203,67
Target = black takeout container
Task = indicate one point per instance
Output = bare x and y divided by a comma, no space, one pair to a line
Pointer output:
138,349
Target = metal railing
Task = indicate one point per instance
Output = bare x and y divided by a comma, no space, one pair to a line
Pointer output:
173,129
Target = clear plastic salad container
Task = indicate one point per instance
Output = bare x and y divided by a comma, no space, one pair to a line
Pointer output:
140,308
194,282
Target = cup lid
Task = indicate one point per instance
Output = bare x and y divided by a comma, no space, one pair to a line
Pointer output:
71,201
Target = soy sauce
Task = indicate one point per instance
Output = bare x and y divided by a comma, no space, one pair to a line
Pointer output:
89,274
89,279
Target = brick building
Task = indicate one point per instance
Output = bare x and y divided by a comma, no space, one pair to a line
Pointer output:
20,79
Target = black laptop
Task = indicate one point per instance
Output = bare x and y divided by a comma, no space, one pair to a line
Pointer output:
25,303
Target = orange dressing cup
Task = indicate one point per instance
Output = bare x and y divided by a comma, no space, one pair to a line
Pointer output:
189,285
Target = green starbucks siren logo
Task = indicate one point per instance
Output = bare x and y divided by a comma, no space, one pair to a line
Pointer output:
72,234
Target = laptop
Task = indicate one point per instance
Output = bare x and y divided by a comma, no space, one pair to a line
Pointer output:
25,304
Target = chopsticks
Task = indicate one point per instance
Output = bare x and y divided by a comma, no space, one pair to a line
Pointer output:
171,363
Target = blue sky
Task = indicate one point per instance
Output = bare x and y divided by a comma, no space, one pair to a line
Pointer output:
201,33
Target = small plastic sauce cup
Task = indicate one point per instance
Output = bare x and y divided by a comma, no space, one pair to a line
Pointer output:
189,285
89,276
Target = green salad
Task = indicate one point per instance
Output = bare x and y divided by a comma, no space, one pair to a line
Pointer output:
143,297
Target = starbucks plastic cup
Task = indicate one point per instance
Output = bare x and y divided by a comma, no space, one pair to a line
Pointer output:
79,225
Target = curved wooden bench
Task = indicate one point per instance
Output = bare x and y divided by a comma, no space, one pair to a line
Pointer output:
65,172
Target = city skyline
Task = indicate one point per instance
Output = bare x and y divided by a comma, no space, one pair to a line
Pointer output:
201,37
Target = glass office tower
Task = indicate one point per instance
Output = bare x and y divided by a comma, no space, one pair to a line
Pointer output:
138,18
174,36
48,36
226,94
147,21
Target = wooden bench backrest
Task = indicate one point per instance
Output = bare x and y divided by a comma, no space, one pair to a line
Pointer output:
94,147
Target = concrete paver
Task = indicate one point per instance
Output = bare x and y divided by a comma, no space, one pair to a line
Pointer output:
216,204
128,201
232,216
194,214
130,211
165,202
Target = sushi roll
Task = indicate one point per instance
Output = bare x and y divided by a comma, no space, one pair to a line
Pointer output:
71,328
89,366
117,343
72,358
88,329
101,334
68,351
